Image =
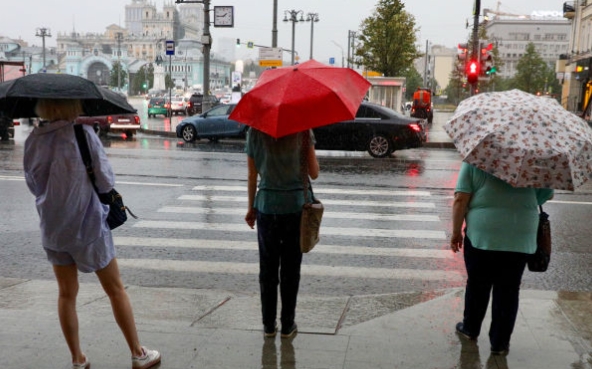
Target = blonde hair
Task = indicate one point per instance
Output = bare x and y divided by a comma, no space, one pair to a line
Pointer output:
58,109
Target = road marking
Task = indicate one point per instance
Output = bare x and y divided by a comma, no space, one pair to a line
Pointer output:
252,246
197,266
326,214
357,203
150,184
327,231
324,191
11,178
570,202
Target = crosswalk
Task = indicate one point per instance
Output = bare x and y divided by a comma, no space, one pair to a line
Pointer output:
362,231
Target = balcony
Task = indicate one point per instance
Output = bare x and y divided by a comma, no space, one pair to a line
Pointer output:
569,9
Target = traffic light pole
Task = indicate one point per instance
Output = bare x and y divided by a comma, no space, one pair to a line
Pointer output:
475,52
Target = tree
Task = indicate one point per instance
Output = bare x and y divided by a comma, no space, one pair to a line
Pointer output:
122,75
531,71
413,80
388,39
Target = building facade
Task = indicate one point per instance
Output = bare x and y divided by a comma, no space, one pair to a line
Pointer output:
574,66
140,43
511,34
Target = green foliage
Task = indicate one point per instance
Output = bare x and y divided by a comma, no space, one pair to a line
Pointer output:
413,80
144,76
532,72
387,39
168,81
117,67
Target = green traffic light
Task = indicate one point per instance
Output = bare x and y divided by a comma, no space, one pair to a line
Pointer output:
491,70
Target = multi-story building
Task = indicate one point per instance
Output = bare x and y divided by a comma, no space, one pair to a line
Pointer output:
511,33
139,43
574,66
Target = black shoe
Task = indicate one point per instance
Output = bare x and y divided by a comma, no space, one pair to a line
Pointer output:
501,350
289,331
270,330
460,329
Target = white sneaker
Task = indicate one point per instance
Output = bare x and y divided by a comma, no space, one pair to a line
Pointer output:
148,360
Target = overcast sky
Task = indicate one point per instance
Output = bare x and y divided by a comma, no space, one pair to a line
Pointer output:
440,21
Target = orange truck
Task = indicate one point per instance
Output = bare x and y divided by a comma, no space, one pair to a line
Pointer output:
421,106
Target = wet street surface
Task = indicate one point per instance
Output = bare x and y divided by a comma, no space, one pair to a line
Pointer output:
385,229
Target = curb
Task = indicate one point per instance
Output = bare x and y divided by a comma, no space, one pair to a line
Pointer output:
158,133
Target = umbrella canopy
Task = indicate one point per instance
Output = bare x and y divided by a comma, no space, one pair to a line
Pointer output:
523,139
296,98
18,97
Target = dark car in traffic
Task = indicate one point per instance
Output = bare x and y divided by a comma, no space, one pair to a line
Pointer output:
212,125
195,103
376,129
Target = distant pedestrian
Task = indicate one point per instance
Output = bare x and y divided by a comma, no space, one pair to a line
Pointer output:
276,207
74,231
500,233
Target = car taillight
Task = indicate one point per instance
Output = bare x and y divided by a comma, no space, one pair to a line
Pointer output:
16,123
149,106
137,119
109,119
415,127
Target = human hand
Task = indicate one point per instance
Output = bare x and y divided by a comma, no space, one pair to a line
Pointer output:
456,242
251,217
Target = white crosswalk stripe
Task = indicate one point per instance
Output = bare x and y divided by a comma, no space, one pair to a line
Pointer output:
218,212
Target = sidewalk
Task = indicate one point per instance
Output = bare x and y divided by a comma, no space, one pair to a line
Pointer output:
219,329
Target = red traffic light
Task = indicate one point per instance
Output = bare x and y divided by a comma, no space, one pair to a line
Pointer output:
473,71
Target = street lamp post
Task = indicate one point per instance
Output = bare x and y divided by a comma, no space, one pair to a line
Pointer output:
294,19
312,18
119,39
43,33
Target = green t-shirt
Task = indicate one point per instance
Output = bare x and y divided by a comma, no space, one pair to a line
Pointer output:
500,217
278,164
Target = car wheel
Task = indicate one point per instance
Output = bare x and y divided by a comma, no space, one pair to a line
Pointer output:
188,133
379,146
129,134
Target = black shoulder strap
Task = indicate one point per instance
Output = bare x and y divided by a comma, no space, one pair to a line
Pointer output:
85,153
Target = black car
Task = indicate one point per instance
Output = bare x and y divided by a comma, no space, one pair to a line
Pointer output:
194,105
376,129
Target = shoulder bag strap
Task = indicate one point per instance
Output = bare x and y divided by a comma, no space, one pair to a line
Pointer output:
85,153
304,166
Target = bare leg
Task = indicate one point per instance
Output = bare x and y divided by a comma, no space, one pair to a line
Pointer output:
67,278
120,303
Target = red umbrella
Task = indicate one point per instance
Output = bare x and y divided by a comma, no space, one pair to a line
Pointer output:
296,98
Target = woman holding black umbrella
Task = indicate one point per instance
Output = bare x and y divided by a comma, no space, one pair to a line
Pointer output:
74,231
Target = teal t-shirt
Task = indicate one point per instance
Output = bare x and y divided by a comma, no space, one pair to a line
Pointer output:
280,189
500,217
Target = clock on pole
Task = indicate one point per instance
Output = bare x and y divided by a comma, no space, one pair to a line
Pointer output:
224,16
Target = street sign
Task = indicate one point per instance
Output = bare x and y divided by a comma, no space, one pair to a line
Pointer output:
170,47
270,57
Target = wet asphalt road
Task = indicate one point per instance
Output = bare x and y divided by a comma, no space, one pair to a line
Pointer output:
158,174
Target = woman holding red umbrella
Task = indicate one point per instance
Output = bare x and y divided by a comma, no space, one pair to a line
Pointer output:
276,207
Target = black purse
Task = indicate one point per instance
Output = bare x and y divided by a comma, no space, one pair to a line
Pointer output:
117,210
539,261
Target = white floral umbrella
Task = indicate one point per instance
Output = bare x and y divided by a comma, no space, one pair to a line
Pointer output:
523,139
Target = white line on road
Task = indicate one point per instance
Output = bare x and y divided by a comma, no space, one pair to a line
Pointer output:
324,190
326,214
328,231
357,203
252,246
197,266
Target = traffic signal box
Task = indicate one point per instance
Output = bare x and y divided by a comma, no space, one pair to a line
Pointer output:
473,71
486,59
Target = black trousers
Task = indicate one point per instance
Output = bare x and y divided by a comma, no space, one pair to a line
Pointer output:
498,273
279,263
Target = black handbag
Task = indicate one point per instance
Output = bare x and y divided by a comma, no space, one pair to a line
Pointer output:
117,210
539,261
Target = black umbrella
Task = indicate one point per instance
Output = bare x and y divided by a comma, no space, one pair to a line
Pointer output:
18,97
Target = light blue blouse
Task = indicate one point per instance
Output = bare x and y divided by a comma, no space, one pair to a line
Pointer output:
71,215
